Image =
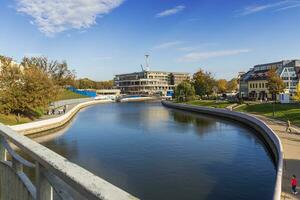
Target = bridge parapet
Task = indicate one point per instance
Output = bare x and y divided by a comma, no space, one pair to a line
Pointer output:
55,176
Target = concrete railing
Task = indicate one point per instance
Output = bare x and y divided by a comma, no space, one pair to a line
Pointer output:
55,176
270,138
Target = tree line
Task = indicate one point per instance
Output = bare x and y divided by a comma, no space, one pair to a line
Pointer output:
86,83
28,88
203,84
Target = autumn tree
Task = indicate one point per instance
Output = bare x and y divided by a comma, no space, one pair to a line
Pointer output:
221,85
203,83
11,84
58,71
275,83
232,85
184,91
297,94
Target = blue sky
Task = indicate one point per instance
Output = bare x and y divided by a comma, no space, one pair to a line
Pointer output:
100,38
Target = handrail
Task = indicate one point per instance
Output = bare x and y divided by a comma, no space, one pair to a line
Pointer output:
16,156
84,182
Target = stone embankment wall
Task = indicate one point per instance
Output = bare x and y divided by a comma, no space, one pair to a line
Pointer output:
49,124
270,138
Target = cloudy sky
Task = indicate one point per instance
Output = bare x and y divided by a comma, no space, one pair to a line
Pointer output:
100,38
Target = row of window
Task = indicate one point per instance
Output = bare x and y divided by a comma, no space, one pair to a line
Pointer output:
258,85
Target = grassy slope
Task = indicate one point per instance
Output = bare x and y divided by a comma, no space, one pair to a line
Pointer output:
12,119
282,111
67,94
210,103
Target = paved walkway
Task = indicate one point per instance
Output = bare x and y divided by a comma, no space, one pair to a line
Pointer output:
71,104
291,151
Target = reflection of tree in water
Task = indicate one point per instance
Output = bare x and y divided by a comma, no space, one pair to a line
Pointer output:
200,123
182,117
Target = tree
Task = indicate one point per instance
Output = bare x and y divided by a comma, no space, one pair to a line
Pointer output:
221,85
57,71
275,83
25,90
232,85
203,83
184,91
297,94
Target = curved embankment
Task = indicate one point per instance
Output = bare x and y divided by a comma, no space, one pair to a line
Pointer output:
268,135
49,124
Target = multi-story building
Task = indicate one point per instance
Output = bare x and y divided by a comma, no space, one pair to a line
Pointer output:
149,82
253,84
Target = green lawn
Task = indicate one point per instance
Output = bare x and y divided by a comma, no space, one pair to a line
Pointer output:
282,111
12,119
67,94
210,103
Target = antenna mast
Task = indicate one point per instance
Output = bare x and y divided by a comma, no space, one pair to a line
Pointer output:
147,63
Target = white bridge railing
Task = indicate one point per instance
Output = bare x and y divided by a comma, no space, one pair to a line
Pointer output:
55,177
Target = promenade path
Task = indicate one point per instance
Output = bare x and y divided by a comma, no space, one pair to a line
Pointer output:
59,104
291,154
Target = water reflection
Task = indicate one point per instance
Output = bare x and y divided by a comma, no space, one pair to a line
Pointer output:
159,153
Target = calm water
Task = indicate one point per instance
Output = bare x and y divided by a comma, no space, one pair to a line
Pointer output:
158,153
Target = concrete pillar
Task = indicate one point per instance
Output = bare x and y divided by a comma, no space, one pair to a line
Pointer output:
2,150
44,190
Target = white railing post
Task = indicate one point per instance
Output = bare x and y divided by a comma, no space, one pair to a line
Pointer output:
44,190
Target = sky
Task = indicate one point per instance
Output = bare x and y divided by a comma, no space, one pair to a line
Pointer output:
101,38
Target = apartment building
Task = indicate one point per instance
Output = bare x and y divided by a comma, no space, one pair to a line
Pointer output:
253,84
149,82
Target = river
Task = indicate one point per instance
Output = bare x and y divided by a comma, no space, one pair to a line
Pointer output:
157,153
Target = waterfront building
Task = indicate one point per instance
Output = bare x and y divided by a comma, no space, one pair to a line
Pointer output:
149,82
254,83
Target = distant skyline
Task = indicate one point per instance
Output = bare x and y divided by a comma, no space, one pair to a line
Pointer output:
101,38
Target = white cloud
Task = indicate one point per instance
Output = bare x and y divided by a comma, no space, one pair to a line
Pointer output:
54,16
167,45
171,11
194,48
197,56
277,6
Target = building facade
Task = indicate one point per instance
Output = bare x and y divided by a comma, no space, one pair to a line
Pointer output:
254,83
149,82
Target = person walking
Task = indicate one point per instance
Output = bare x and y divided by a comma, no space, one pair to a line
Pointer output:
294,184
288,126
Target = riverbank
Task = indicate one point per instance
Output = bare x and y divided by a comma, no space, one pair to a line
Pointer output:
269,136
291,152
37,127
283,112
290,142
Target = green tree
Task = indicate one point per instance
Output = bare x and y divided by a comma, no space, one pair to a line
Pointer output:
275,83
203,83
184,91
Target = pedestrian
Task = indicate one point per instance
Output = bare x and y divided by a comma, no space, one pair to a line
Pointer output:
288,126
294,184
65,109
